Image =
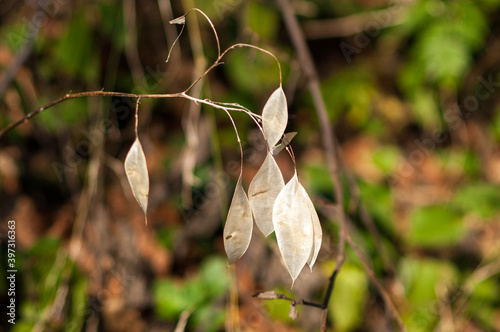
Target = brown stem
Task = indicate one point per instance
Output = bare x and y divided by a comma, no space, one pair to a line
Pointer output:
271,295
28,116
371,274
329,142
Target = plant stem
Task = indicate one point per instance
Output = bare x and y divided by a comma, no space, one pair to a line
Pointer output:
328,138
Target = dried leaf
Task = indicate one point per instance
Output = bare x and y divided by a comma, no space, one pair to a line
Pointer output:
137,174
317,231
268,295
178,20
275,117
262,192
287,138
293,313
293,227
239,225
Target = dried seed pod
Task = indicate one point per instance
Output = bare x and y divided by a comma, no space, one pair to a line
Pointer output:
137,175
239,225
287,138
275,117
293,227
317,231
262,192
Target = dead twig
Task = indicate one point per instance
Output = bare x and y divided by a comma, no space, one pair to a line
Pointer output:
305,58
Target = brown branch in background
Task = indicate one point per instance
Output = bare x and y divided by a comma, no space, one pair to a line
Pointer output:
271,295
463,294
353,24
167,15
371,274
191,121
30,115
12,70
68,96
307,64
131,51
365,216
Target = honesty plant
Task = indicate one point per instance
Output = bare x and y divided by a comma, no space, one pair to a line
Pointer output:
274,206
285,209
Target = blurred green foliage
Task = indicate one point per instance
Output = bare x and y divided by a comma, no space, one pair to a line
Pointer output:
348,298
482,199
429,54
436,226
196,296
421,279
47,274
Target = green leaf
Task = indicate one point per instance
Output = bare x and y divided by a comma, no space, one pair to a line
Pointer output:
386,158
379,203
277,309
350,91
170,299
480,198
350,294
482,304
75,53
174,297
444,55
71,113
425,107
253,72
215,277
436,226
262,19
78,305
318,179
472,164
421,278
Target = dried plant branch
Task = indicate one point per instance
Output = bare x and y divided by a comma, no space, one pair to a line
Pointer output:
131,49
101,93
353,24
191,121
183,94
328,138
271,295
371,274
167,15
365,217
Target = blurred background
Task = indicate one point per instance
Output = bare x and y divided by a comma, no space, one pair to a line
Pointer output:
412,90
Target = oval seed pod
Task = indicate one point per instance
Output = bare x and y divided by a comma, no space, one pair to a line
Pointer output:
239,225
275,117
287,138
262,192
293,227
137,175
317,231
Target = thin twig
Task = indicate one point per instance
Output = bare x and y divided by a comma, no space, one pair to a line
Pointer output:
271,295
371,274
12,70
166,95
353,24
191,121
166,15
101,93
131,49
365,217
307,63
